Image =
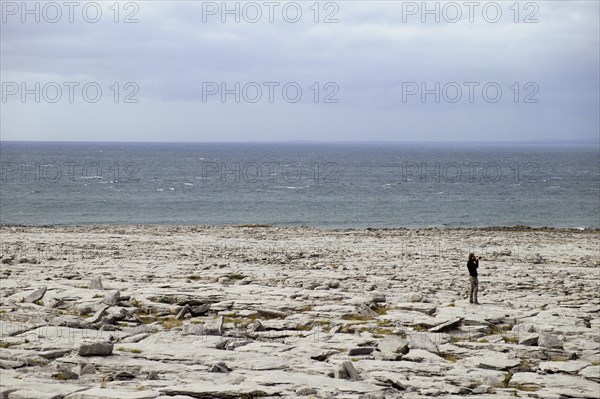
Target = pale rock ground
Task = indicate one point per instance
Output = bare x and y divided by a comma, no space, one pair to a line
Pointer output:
297,312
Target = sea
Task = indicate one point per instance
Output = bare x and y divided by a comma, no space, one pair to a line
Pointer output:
328,185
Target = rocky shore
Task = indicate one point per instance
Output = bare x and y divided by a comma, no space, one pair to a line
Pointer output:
255,311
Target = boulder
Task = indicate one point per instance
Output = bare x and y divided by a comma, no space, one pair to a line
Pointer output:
96,348
112,299
529,339
220,367
549,341
422,341
334,284
98,315
378,298
361,351
346,371
199,310
394,344
96,284
257,326
35,295
364,310
183,312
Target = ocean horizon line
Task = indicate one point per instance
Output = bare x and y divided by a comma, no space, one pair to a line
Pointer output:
478,142
515,227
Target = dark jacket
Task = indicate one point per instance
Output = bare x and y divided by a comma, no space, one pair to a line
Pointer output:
472,265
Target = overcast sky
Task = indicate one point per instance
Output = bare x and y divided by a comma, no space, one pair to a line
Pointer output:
361,78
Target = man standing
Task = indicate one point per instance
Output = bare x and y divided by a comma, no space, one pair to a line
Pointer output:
472,265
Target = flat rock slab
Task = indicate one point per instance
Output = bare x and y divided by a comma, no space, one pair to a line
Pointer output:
208,391
305,337
591,373
571,367
446,326
562,384
11,364
27,394
426,308
294,380
498,363
102,393
21,389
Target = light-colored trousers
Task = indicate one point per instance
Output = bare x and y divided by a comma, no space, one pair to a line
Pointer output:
474,288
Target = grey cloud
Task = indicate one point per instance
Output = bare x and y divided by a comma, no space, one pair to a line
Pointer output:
369,54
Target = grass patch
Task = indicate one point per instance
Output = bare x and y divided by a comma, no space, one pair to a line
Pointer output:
239,321
355,327
171,323
304,327
323,324
380,310
419,328
4,345
235,276
194,277
135,303
379,332
147,319
130,350
356,317
496,329
510,340
166,300
558,359
527,388
506,380
61,376
449,357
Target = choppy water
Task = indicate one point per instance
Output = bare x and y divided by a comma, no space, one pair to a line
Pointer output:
316,184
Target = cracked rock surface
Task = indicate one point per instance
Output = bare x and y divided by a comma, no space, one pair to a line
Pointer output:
253,311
